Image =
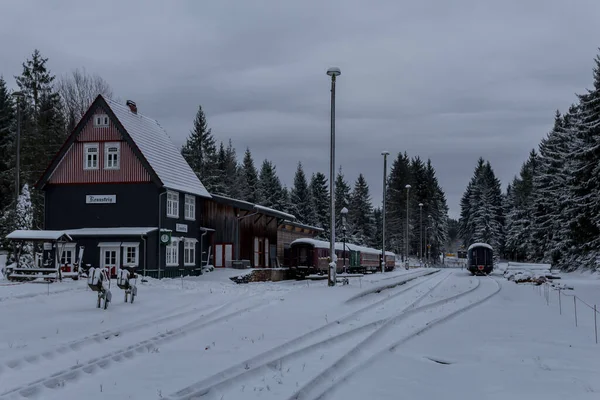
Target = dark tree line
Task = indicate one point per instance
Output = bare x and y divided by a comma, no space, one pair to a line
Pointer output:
551,210
308,198
49,109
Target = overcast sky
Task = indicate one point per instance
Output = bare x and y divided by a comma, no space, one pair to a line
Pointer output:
446,80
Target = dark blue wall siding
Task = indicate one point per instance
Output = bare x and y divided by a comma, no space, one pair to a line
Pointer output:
136,206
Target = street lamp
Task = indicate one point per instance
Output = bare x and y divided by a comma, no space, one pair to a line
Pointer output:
407,199
18,96
421,234
344,211
333,72
384,154
428,230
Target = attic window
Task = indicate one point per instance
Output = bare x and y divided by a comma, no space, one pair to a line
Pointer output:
100,120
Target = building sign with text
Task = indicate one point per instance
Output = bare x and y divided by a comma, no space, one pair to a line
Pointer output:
101,199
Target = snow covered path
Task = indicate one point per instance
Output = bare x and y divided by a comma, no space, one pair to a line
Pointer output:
386,335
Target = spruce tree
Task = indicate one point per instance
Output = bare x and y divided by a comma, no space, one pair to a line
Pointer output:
399,177
482,216
300,199
360,212
7,148
270,187
24,220
201,154
585,189
43,128
342,199
248,180
320,200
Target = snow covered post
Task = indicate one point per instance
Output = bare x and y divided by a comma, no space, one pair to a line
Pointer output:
559,302
575,306
595,324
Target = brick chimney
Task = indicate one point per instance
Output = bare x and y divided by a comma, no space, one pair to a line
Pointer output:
132,106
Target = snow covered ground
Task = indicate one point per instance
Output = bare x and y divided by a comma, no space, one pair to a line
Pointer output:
417,334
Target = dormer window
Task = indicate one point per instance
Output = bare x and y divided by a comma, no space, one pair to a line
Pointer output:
90,160
111,155
101,120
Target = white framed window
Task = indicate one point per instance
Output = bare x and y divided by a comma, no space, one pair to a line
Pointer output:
90,156
112,155
189,252
172,253
172,204
190,207
131,254
101,120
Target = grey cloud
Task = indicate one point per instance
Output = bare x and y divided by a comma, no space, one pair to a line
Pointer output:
450,81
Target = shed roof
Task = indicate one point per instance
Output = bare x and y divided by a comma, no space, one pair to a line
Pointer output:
21,234
119,231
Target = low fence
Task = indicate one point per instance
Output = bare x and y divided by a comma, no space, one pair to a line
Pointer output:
545,289
528,266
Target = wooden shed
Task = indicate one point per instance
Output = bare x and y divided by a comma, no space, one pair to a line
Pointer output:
243,231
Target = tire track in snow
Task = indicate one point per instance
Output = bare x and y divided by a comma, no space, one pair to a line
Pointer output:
78,344
328,380
61,378
295,347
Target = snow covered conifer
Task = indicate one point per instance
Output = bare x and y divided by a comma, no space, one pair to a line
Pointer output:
360,212
320,203
24,220
300,197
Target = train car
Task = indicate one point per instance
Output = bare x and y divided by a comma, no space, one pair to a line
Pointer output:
390,261
480,259
311,256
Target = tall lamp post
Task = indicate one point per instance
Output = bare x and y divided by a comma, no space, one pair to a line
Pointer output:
344,212
384,154
407,200
421,234
18,96
333,73
428,230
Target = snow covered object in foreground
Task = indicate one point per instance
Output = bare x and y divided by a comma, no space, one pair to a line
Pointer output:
99,281
125,281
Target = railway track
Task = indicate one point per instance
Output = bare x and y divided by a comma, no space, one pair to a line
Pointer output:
358,341
325,384
295,347
60,378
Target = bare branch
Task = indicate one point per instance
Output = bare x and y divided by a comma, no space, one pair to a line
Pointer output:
78,90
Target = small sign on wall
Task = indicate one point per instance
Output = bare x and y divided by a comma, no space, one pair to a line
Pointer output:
101,199
181,228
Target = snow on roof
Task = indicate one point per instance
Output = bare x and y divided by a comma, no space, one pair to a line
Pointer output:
321,244
36,235
301,225
267,210
480,245
160,152
110,231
